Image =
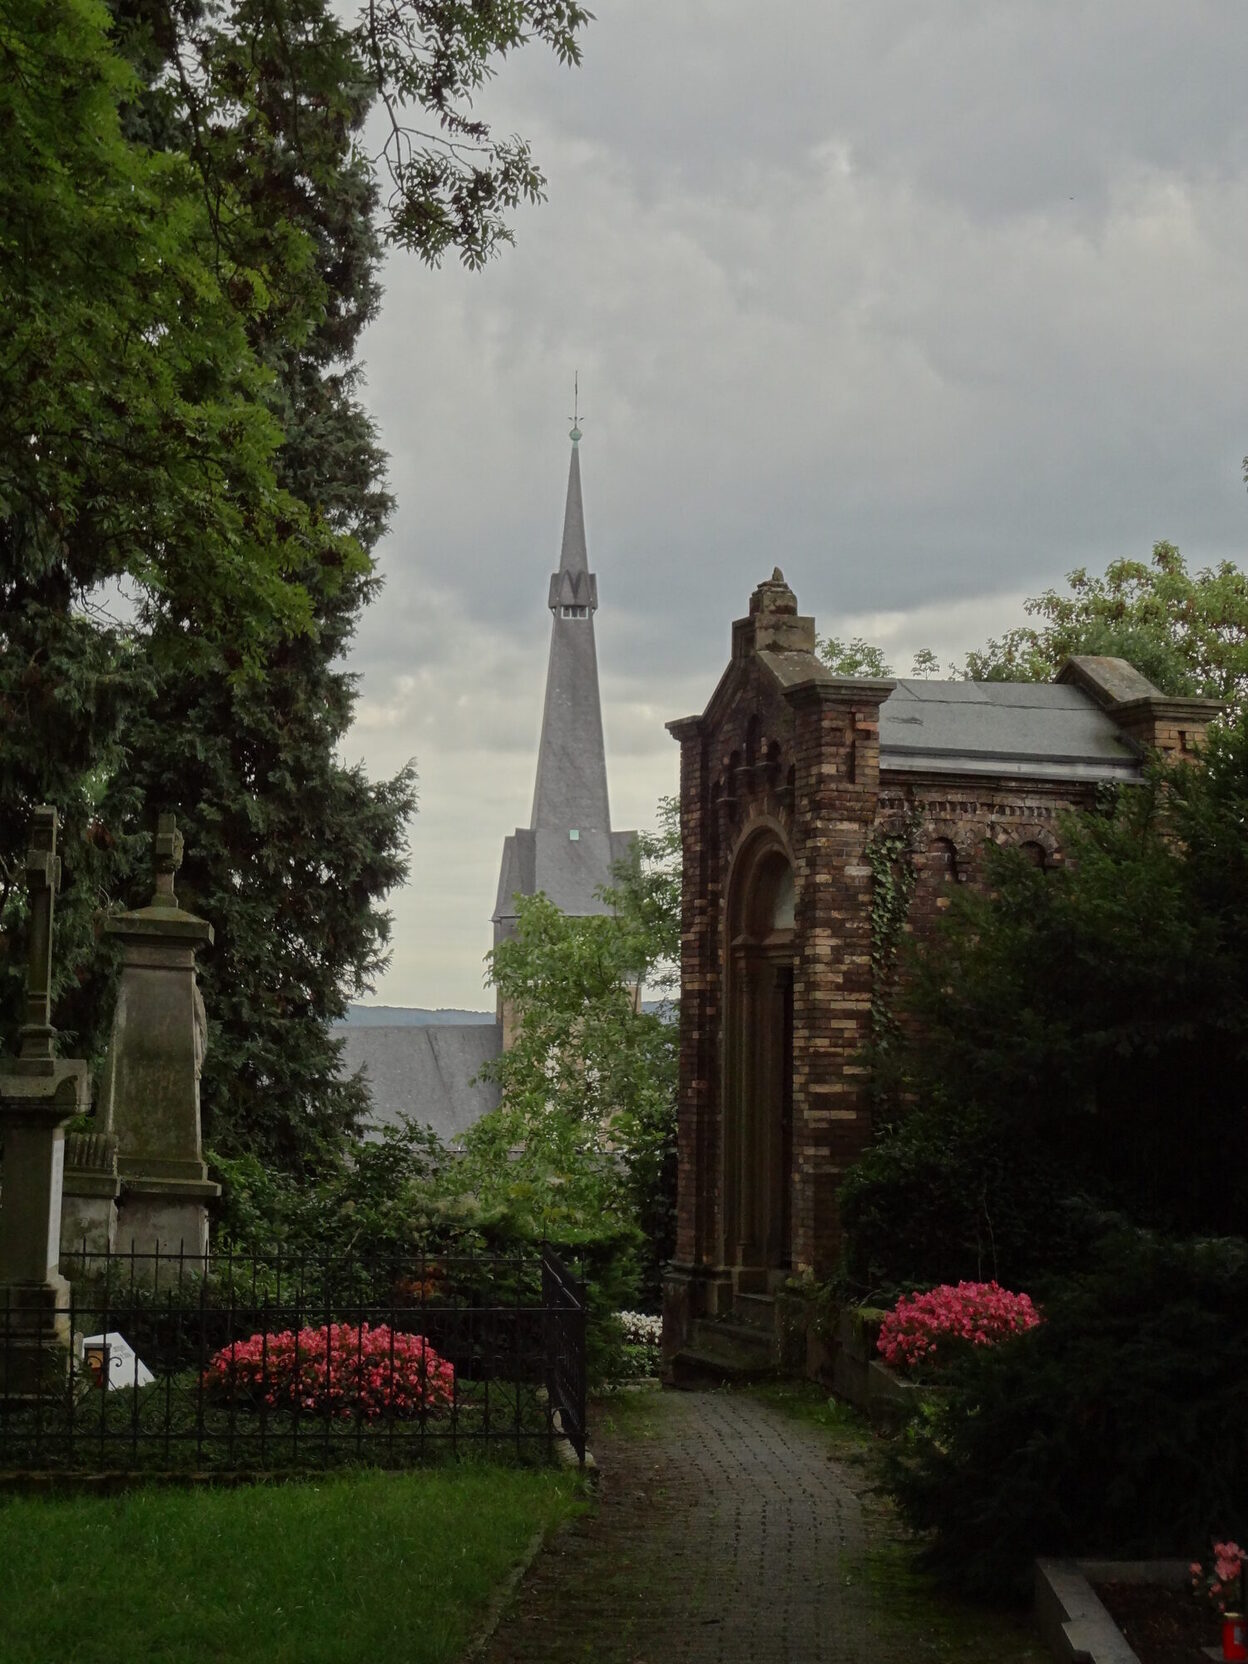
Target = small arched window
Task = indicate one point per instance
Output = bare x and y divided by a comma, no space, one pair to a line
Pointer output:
941,862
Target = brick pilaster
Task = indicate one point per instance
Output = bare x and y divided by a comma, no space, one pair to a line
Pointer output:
837,777
697,1133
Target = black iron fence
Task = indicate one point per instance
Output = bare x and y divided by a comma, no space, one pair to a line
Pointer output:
168,1363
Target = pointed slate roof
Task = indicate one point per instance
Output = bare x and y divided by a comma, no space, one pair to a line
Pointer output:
568,849
571,788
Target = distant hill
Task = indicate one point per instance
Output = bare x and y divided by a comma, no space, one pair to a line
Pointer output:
407,1016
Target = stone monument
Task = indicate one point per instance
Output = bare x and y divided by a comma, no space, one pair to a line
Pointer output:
150,1097
39,1093
89,1193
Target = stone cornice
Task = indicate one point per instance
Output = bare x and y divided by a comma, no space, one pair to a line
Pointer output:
684,728
842,691
1160,705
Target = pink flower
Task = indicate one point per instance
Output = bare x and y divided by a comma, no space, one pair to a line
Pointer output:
921,1325
340,1368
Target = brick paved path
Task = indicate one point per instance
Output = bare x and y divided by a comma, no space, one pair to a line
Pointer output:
730,1535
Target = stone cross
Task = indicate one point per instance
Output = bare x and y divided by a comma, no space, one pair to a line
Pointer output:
168,853
39,1093
43,880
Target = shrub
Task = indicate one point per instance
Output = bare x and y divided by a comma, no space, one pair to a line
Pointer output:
927,1330
1223,1581
948,1195
638,1356
373,1206
641,1329
340,1369
374,1216
1117,1427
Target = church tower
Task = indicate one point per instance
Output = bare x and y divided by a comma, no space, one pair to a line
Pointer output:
568,849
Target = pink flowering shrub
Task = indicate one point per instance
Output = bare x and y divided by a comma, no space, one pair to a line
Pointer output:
925,1329
1223,1585
340,1369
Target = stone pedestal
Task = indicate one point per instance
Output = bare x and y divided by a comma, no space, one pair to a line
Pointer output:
37,1098
151,1086
39,1093
89,1194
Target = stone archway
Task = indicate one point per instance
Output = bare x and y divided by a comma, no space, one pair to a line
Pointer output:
758,1064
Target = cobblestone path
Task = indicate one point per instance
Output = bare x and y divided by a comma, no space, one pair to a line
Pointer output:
729,1534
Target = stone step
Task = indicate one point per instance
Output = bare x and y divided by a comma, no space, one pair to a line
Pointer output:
722,1350
755,1311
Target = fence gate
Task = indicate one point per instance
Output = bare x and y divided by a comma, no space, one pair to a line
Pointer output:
563,1302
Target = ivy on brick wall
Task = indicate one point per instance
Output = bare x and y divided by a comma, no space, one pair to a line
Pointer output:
893,878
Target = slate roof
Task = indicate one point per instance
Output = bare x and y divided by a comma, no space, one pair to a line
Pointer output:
569,871
1047,731
425,1072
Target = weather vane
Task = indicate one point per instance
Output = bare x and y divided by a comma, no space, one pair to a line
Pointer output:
576,406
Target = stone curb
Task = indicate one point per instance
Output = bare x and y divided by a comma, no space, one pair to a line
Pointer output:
1072,1619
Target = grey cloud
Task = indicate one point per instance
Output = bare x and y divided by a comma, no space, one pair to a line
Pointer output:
1001,106
833,309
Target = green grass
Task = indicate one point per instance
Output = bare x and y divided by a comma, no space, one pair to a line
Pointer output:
331,1571
628,1413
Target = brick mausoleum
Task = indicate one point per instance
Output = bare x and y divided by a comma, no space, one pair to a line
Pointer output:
785,777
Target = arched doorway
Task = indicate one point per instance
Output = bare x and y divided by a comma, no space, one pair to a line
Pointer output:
758,1063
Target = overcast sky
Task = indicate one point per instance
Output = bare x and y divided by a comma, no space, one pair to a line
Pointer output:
925,303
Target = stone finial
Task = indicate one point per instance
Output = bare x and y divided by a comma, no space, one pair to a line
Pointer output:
167,853
773,596
773,624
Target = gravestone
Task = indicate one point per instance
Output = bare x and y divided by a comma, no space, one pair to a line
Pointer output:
150,1096
39,1093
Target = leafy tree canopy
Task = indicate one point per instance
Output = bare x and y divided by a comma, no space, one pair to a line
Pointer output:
854,657
135,437
589,1083
1186,631
858,657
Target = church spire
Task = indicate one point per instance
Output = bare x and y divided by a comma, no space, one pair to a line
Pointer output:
568,851
571,790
